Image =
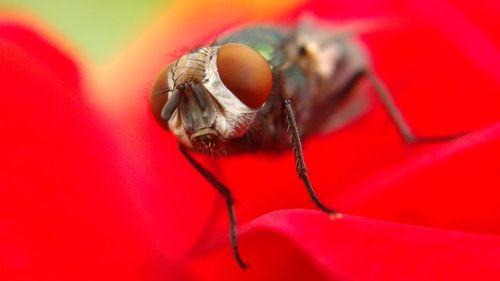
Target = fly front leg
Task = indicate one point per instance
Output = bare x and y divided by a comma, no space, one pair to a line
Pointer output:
396,115
299,156
224,191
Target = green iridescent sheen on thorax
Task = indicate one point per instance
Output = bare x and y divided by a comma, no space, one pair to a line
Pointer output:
265,50
265,40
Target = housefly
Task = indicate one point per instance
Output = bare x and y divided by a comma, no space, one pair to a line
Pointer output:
257,89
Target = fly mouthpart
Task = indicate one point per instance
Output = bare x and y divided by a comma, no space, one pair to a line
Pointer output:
205,139
199,94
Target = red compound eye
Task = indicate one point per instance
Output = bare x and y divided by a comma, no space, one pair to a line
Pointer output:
159,96
245,73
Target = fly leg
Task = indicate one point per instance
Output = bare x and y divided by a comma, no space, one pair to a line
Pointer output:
299,156
224,191
396,116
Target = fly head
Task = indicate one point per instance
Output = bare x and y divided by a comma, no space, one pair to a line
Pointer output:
211,95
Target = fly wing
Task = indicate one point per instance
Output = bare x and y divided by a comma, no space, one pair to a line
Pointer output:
333,65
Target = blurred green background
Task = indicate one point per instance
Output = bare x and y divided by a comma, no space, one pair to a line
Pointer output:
98,28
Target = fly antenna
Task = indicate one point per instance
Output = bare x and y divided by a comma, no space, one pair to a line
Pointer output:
171,105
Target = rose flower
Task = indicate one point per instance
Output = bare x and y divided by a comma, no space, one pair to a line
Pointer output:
91,188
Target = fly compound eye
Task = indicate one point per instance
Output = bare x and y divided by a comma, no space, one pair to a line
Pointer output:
159,96
245,73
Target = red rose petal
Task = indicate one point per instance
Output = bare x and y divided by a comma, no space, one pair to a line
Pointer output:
455,186
304,244
484,15
82,196
75,180
64,214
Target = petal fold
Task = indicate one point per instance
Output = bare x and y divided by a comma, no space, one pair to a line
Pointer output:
294,244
